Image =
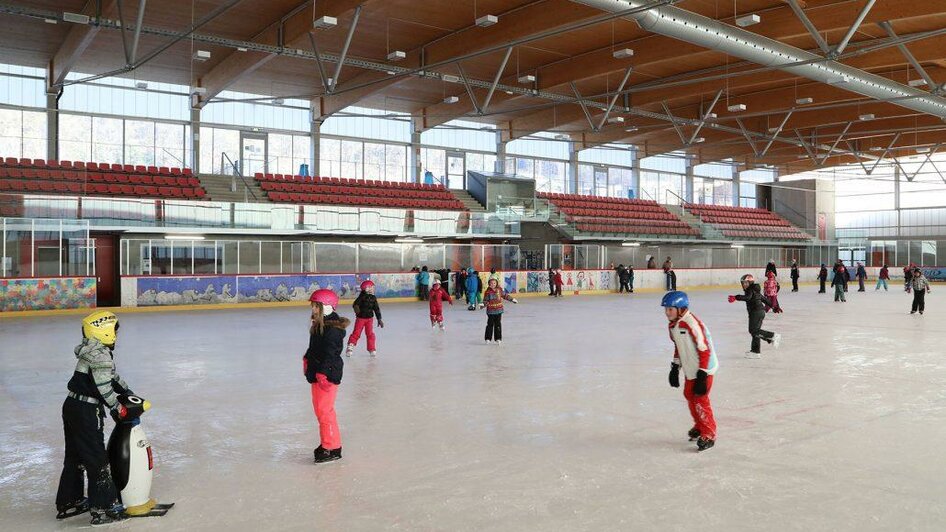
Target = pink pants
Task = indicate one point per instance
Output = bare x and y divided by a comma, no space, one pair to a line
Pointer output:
366,324
436,318
323,402
700,408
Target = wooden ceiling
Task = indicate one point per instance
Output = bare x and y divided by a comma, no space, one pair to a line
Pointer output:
436,31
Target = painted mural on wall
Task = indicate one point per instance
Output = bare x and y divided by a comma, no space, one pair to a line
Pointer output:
282,288
47,294
396,284
160,291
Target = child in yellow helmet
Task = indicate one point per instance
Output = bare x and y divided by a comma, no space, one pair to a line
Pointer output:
94,386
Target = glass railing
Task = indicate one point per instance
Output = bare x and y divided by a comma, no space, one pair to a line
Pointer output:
531,209
166,213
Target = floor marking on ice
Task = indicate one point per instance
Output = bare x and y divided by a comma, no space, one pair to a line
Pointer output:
758,405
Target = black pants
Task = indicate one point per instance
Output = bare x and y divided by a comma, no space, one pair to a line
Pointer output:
551,288
461,287
494,326
794,284
919,300
671,281
822,286
624,286
424,292
755,329
83,425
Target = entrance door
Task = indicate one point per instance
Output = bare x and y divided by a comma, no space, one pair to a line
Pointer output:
253,150
106,270
456,171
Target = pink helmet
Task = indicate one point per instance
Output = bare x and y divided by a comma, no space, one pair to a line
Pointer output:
366,285
325,297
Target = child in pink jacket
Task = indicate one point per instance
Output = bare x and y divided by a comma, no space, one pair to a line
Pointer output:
770,290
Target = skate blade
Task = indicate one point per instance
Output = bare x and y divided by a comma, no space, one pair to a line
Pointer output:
157,511
72,512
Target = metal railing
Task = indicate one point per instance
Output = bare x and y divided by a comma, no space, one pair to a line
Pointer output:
237,173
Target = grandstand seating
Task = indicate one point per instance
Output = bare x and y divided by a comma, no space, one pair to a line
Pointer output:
357,193
37,176
598,214
745,222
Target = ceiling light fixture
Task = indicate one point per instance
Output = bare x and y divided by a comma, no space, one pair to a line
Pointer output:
748,20
397,55
804,101
865,117
184,237
201,55
737,108
623,53
451,99
324,22
528,78
409,240
487,20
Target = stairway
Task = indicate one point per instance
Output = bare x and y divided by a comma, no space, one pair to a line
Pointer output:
706,231
468,200
218,188
559,223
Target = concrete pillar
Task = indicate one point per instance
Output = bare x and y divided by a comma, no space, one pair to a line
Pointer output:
736,182
315,147
636,174
415,172
500,166
572,184
52,126
195,143
896,194
688,181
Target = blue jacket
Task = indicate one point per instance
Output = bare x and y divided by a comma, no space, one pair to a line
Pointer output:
473,284
423,277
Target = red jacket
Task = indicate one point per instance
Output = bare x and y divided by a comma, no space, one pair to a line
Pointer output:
558,279
437,297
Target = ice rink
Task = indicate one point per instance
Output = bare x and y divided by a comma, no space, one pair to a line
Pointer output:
569,425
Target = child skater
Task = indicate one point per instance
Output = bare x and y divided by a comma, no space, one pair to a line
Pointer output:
559,282
493,300
920,286
366,308
770,289
693,350
322,366
474,288
437,296
755,306
93,388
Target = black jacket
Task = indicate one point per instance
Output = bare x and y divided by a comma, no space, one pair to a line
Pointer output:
366,306
770,268
823,274
325,350
753,297
795,274
840,276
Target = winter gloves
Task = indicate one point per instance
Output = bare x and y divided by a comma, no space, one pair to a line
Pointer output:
732,299
380,324
699,387
674,375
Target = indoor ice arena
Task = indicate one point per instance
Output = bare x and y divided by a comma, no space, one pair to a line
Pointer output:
473,265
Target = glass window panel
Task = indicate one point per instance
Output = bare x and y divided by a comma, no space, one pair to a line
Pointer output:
352,154
280,154
183,258
139,142
271,254
228,257
207,257
249,256
374,160
160,257
395,163
335,258
169,145
330,157
301,152
378,258
75,137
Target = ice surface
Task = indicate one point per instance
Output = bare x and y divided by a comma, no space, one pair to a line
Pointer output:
569,425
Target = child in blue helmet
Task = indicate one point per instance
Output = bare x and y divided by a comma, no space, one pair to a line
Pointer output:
474,288
694,352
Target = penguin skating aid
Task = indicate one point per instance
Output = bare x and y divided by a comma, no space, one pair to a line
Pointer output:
132,461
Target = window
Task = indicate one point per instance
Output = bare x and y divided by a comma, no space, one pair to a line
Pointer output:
169,145
330,157
280,154
139,142
395,163
374,161
108,140
351,165
75,137
22,134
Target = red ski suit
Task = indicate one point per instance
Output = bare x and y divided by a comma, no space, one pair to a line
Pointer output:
437,297
693,352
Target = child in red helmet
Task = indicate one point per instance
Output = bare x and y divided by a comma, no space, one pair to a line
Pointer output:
770,289
755,306
693,351
366,308
322,366
493,299
437,296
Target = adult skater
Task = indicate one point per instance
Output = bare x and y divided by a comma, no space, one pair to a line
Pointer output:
861,276
423,283
770,289
822,277
839,283
559,282
437,296
794,275
493,298
366,309
770,267
322,365
694,351
882,278
652,263
552,282
755,306
94,385
461,284
670,275
625,279
920,286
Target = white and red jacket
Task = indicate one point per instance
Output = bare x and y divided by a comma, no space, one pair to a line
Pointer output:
693,346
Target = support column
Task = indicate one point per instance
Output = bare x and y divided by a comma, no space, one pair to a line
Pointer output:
896,194
52,126
736,182
415,172
195,143
315,147
500,166
688,181
572,184
636,174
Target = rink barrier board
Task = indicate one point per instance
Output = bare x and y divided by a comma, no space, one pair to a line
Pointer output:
43,296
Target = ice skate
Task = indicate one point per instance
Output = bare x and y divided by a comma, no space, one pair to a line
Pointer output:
488,342
73,509
433,325
499,341
322,455
776,340
373,353
443,327
704,444
753,355
693,434
350,350
101,518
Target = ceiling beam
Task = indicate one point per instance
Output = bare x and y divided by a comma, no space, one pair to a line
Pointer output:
78,39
